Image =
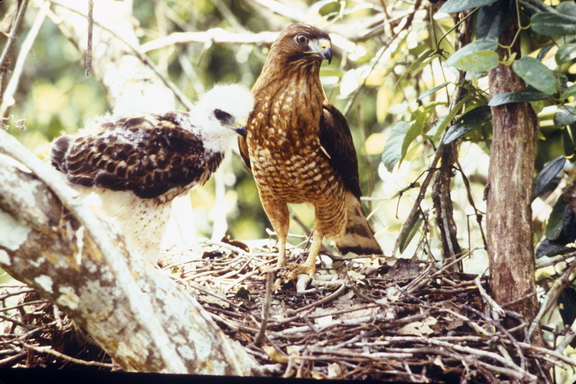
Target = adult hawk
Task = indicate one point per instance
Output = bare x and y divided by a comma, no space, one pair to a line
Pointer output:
137,164
300,149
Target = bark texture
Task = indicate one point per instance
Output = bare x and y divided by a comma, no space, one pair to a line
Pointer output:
509,213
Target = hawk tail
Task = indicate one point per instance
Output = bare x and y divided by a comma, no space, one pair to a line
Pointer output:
358,236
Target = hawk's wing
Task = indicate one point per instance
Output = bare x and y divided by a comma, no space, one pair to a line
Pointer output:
147,154
243,148
336,139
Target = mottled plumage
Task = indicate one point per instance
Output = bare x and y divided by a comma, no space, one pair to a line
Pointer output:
300,149
137,164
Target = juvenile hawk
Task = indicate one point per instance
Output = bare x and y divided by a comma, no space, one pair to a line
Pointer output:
300,149
137,164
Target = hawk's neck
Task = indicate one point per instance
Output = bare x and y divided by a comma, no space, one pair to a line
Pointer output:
289,104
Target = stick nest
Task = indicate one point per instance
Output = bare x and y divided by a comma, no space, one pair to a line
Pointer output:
363,318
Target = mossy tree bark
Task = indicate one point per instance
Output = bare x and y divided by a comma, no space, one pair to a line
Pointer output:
509,212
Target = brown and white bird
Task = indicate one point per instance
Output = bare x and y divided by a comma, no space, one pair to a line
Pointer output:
137,164
300,150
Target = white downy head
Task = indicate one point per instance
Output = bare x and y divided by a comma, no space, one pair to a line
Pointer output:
221,114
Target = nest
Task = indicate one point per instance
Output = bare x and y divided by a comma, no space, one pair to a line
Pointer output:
397,320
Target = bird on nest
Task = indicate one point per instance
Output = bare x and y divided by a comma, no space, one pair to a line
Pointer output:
138,164
300,149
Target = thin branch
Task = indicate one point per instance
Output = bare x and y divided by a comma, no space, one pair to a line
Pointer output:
90,33
265,309
7,100
60,355
12,37
550,299
215,35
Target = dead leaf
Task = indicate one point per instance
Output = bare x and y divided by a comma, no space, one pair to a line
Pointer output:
358,278
334,371
274,354
419,328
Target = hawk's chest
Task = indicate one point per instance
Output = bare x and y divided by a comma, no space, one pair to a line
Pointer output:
284,145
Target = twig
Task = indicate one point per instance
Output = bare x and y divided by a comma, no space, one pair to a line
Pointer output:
515,371
266,308
7,100
12,37
556,260
494,306
90,18
215,35
550,299
324,300
360,320
60,355
8,361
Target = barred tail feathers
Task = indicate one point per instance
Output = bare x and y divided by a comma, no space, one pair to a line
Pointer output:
358,236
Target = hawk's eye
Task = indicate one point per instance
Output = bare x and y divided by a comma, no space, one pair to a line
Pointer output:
221,115
302,39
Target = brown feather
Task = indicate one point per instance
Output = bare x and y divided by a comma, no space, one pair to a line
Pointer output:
146,154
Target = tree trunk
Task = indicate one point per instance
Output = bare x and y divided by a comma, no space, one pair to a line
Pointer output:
509,214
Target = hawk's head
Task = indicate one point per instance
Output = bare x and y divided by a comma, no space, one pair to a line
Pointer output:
302,43
220,115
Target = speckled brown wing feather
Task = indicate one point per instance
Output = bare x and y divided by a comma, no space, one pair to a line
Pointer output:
336,139
146,154
243,149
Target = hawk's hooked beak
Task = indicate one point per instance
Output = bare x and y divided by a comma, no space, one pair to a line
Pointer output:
322,47
240,127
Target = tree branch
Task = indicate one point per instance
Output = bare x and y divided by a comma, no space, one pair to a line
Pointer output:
12,37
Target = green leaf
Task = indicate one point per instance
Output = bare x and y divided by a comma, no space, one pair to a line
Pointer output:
544,50
565,115
478,62
432,90
526,94
536,74
531,7
492,19
421,117
468,122
443,122
551,23
486,44
392,152
568,136
453,6
413,227
555,220
565,53
570,91
566,304
546,175
566,8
